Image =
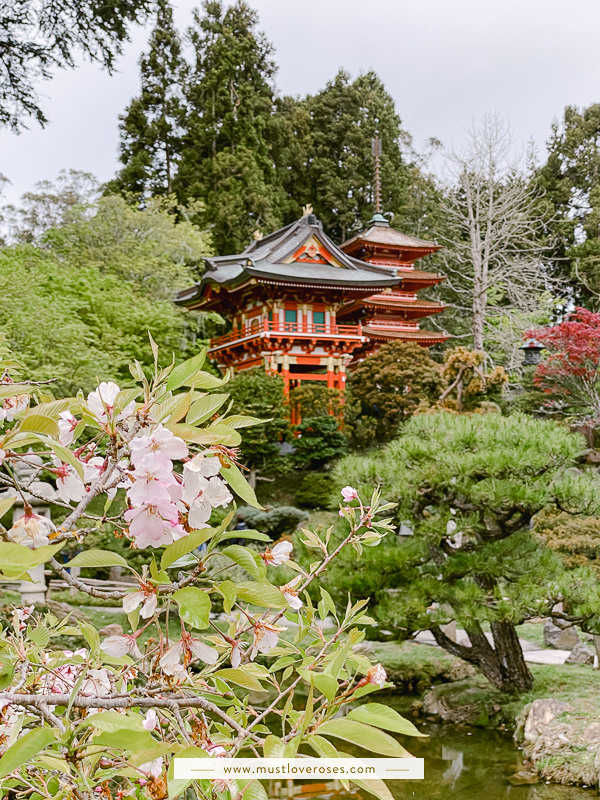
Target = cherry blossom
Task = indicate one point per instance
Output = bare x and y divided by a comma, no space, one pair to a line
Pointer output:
279,554
159,442
154,524
102,400
31,529
190,649
8,720
377,675
69,485
349,493
97,682
237,653
146,597
291,595
66,427
151,720
153,769
202,489
13,405
22,615
152,480
119,646
265,638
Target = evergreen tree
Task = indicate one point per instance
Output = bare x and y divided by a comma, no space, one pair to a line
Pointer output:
571,181
226,159
152,125
339,165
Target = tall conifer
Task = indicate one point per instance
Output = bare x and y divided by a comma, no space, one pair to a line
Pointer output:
227,159
152,125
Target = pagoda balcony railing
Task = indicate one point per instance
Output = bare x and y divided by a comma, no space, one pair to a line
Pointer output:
275,328
394,325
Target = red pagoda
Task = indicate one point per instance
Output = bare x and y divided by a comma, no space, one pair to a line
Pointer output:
305,308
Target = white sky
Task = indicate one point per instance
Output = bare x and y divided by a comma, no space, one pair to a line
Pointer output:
444,62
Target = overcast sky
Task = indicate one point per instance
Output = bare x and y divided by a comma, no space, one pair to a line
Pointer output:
445,62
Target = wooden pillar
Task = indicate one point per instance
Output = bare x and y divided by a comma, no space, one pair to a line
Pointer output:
285,374
330,373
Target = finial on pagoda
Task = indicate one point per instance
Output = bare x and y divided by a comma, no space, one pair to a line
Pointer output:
307,210
258,235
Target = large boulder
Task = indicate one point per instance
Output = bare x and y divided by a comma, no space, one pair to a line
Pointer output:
559,635
581,654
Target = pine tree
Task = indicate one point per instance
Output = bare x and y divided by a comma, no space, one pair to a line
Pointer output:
339,164
226,160
152,125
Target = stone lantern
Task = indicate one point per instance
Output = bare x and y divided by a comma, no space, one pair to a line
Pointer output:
532,352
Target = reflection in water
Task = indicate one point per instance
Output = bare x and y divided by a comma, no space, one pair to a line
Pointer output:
460,764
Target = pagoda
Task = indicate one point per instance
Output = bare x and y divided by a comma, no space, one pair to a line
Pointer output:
305,308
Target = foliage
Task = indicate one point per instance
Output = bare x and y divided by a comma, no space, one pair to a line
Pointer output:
75,322
570,373
318,441
469,488
229,96
575,538
169,444
315,490
38,38
260,395
570,179
152,125
315,400
469,382
388,387
276,522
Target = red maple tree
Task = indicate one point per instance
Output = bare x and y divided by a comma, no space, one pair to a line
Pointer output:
571,370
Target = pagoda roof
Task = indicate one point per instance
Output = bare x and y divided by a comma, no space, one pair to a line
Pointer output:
380,232
300,253
430,337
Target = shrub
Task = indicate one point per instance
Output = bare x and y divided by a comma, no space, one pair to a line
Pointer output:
316,490
276,522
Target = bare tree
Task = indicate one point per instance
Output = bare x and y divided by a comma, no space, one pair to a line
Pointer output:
493,239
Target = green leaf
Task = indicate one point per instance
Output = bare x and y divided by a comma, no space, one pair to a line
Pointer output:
7,670
273,747
222,434
176,788
239,484
255,536
261,594
326,684
98,558
123,399
17,559
175,408
54,407
39,635
6,503
362,735
25,749
383,717
194,606
244,558
204,436
64,454
39,423
205,380
252,790
240,677
13,389
112,721
227,589
183,374
322,747
204,408
240,421
184,546
126,739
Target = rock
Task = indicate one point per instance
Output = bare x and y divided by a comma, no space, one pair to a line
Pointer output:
560,636
62,610
524,778
581,654
365,648
539,716
114,629
461,703
591,734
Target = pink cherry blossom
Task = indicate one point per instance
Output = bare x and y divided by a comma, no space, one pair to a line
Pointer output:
151,720
102,400
118,646
69,485
279,554
159,441
291,595
190,649
66,427
13,405
377,675
152,480
97,682
31,530
153,769
349,493
149,600
265,638
154,525
237,654
23,614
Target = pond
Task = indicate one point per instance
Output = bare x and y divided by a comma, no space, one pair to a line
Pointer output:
461,764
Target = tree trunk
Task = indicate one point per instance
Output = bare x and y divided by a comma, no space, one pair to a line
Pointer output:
252,478
503,665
